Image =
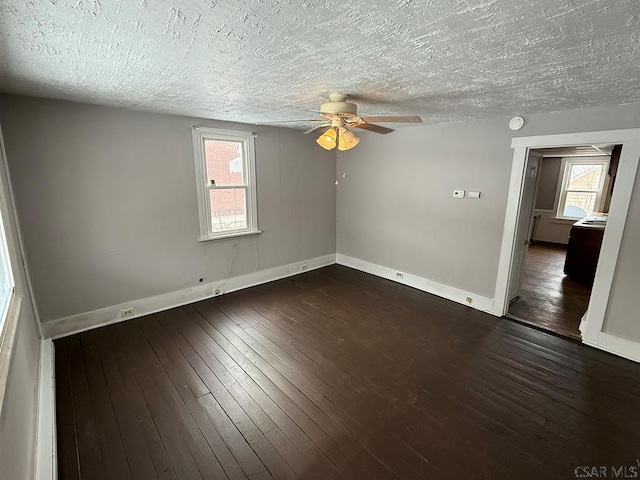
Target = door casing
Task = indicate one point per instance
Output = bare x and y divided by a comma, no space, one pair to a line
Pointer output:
593,321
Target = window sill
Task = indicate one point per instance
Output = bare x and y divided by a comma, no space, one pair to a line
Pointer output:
250,233
567,221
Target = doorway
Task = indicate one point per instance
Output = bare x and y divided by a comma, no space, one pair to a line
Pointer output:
564,209
592,326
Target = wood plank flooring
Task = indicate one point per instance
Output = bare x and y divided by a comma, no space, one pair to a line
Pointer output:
549,299
336,374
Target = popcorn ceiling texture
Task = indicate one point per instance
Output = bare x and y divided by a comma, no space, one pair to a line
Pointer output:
264,61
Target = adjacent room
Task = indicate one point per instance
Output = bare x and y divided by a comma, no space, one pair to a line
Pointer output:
278,240
565,219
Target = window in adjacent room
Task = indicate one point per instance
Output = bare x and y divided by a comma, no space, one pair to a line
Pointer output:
226,181
581,193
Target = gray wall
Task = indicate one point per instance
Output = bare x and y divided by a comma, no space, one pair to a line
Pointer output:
623,316
548,227
395,207
19,416
548,183
107,201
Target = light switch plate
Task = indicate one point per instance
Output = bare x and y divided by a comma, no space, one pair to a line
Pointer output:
474,194
458,194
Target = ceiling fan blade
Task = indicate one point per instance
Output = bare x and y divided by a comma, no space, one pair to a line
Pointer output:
396,119
317,128
372,127
315,120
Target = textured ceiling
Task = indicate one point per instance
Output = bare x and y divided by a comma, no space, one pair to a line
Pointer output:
261,61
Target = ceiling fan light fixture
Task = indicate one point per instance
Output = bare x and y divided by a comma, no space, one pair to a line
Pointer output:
347,140
338,114
328,138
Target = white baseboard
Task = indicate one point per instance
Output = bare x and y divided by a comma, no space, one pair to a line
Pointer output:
617,345
46,452
583,324
105,316
440,289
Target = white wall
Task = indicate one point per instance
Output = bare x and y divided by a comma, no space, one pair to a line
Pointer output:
552,229
395,207
107,201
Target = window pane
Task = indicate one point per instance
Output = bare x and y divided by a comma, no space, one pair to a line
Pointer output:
6,278
585,177
228,209
579,204
224,162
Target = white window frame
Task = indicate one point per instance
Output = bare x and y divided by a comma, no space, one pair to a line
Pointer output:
564,183
246,139
10,315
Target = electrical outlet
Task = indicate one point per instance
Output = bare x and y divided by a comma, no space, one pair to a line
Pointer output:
127,312
304,266
399,275
458,194
474,194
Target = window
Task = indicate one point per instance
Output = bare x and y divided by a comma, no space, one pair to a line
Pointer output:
6,278
225,174
9,301
582,187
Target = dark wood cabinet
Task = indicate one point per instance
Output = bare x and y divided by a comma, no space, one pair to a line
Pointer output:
583,251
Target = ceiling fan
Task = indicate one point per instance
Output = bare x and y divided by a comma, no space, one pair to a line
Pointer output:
340,116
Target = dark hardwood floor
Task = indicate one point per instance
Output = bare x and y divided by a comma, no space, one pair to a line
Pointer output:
550,299
338,374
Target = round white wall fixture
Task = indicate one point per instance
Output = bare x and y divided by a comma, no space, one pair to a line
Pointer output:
516,123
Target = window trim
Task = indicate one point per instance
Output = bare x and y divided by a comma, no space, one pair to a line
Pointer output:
563,182
9,251
7,341
247,139
5,262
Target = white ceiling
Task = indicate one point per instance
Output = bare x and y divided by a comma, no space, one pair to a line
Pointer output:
260,61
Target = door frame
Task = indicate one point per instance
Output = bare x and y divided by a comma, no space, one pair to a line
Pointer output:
528,221
593,322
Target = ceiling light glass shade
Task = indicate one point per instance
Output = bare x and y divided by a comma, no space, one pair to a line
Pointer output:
347,140
328,139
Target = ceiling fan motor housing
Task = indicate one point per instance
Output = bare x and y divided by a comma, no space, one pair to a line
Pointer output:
339,106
